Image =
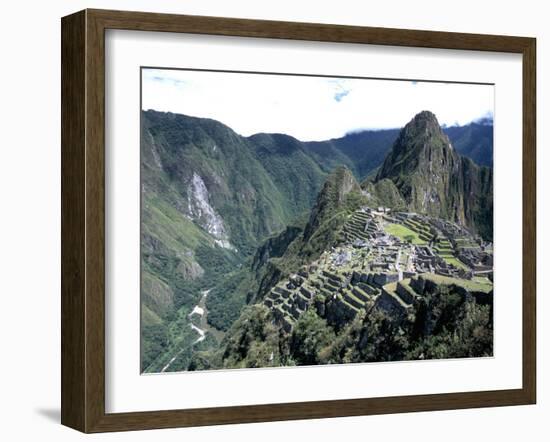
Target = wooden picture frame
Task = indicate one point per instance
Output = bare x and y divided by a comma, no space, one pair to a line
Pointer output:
83,220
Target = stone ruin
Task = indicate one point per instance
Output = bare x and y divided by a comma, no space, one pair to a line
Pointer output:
370,268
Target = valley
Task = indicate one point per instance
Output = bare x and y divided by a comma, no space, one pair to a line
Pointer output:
267,251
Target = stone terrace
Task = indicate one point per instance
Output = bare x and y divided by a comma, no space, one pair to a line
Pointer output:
370,267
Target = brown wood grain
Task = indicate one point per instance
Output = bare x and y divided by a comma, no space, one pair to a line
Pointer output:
73,128
83,220
529,220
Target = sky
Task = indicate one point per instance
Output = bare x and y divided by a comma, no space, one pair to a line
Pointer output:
310,108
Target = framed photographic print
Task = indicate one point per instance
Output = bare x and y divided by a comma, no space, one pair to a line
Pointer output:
267,220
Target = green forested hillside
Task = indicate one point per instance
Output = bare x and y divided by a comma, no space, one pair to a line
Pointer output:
474,140
209,198
225,217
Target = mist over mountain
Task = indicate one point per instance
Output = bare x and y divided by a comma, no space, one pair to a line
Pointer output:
230,216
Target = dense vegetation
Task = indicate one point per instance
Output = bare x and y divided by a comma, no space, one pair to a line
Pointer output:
235,215
227,299
444,325
256,186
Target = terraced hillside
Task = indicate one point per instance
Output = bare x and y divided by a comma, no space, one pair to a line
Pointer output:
379,293
383,260
301,263
388,285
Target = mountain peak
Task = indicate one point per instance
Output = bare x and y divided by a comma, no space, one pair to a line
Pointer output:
433,178
341,182
424,124
421,140
332,197
425,115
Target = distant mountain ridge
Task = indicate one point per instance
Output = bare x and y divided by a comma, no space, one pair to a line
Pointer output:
235,191
362,152
211,198
474,140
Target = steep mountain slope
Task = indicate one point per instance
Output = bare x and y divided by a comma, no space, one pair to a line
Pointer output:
303,314
334,197
221,184
214,205
434,179
291,168
301,241
340,196
209,198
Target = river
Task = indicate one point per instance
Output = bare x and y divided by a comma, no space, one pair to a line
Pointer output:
202,329
201,310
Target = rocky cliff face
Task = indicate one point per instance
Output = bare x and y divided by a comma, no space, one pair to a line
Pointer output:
200,210
212,199
434,179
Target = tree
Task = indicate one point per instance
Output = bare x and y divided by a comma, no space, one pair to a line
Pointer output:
310,335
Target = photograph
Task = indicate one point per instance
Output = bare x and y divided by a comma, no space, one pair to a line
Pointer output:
275,222
295,220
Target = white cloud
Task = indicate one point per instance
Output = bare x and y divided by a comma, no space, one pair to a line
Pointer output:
309,108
